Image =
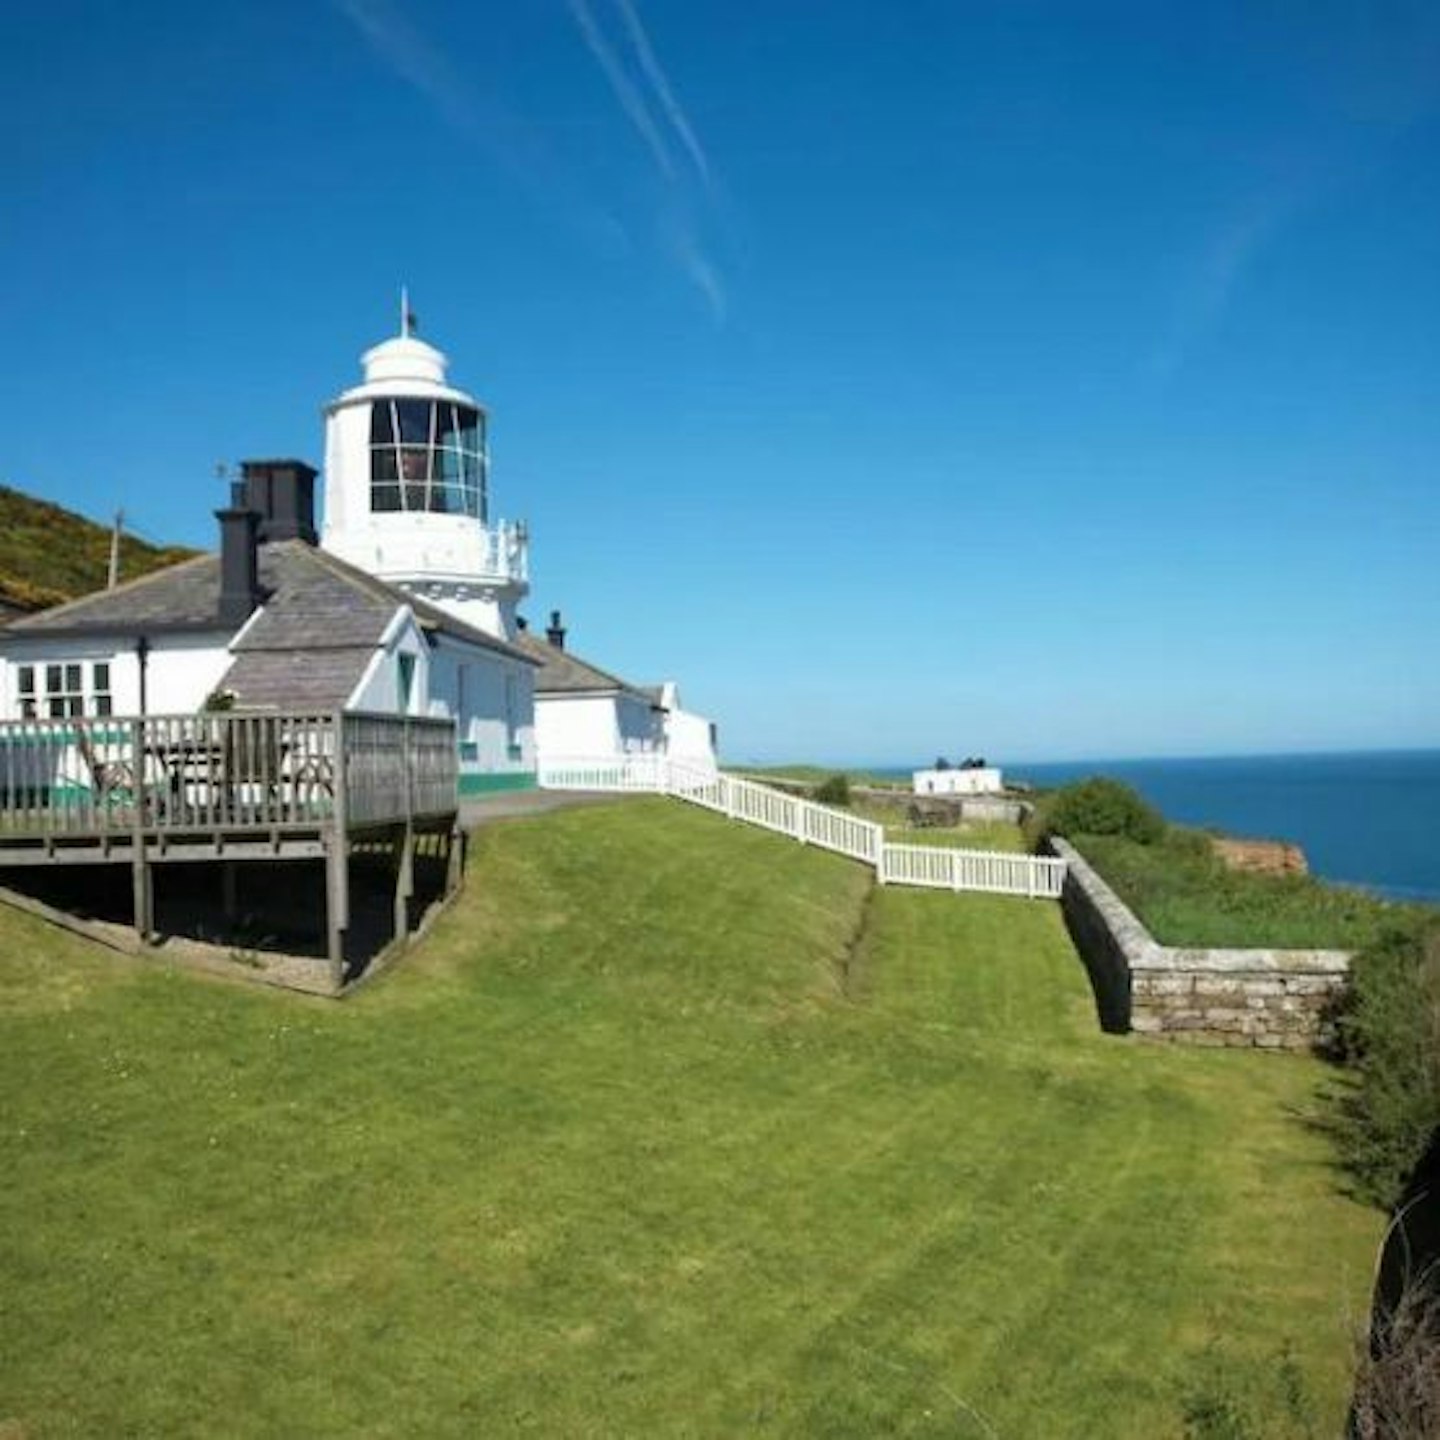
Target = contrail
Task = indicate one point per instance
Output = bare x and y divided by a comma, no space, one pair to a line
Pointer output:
481,119
630,98
660,83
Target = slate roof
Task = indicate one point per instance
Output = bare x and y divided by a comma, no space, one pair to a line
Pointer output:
309,644
564,673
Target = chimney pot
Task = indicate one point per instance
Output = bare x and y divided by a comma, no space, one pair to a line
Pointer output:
282,493
555,634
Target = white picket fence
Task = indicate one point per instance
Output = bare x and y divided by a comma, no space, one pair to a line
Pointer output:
940,867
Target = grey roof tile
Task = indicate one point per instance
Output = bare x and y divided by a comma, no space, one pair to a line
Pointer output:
304,679
311,600
564,673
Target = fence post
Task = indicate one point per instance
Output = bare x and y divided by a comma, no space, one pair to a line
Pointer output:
727,791
955,867
800,821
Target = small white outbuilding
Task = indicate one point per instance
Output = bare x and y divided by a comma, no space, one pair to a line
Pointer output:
960,780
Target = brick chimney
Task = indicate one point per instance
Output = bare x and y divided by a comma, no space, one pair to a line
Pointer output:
555,634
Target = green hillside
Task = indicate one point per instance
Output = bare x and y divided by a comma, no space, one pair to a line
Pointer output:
49,554
668,1128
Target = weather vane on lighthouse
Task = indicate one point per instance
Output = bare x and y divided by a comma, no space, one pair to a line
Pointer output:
408,323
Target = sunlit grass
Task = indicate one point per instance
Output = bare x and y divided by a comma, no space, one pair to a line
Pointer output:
672,1127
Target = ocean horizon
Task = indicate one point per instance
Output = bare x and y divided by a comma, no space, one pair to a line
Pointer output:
1362,817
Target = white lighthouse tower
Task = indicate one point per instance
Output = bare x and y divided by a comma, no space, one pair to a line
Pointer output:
407,480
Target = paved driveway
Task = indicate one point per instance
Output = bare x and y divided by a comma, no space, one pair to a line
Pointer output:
481,809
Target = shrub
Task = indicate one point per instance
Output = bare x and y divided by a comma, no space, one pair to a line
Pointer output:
833,790
1101,806
1397,1382
1390,1034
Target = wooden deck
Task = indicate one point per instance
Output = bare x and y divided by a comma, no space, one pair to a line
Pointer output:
224,788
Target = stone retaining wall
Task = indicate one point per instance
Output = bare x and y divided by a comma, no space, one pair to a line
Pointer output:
1264,999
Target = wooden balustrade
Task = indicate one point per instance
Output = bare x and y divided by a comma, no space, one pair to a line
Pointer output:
222,771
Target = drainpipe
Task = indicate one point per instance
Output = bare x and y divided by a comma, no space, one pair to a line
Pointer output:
142,656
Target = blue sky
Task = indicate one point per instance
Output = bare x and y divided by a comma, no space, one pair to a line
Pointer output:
1030,379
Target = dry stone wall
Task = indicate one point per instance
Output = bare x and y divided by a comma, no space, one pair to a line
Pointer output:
1261,999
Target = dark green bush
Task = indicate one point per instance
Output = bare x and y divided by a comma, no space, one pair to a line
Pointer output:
1101,806
1390,1034
833,790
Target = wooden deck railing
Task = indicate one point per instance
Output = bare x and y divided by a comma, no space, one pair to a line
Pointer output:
229,771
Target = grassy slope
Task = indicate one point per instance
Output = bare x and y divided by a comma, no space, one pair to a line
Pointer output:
637,1145
49,554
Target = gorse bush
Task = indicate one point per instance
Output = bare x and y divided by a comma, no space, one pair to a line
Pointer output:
1390,1034
1101,806
833,790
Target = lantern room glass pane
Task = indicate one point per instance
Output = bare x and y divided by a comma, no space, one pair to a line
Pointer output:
414,417
382,423
427,456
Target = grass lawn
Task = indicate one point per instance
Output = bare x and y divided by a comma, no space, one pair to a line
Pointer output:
1187,896
672,1127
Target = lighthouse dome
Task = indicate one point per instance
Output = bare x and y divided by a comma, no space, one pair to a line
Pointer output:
404,358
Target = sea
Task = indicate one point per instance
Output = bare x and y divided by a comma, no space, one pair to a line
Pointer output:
1363,818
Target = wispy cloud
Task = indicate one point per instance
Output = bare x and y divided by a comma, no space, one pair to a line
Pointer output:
650,64
643,90
1216,274
1373,79
480,117
626,92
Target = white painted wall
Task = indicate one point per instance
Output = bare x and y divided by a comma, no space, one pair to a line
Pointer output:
984,781
492,699
379,689
688,736
181,670
594,725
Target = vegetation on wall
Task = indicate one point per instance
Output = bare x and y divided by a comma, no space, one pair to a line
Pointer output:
1098,806
49,554
1186,895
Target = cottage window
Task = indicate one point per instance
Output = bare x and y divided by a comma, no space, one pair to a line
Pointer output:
59,691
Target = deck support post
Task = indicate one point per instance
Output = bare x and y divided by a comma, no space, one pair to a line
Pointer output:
454,860
337,862
230,890
142,882
404,879
337,903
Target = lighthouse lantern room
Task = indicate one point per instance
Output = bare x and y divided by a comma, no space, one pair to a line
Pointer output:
407,487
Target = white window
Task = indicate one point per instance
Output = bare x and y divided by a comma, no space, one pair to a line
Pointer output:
57,690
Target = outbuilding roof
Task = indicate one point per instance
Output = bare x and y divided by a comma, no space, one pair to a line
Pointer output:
564,673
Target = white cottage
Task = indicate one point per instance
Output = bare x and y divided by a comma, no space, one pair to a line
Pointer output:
585,713
272,622
959,780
